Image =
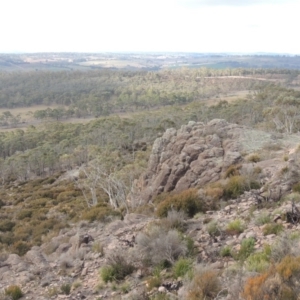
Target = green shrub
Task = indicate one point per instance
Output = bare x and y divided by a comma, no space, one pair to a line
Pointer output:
226,251
258,262
187,201
66,288
99,214
117,269
107,274
213,228
262,218
247,247
236,185
14,292
235,227
190,244
272,228
181,267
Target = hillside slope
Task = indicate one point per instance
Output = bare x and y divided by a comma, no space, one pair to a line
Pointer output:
243,187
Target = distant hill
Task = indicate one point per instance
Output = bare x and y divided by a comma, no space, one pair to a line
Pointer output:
145,61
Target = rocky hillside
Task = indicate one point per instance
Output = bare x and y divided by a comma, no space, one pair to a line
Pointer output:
198,154
243,244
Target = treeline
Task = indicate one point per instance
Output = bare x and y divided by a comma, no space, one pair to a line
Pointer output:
102,92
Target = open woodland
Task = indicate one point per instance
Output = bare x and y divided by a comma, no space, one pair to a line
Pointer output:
81,124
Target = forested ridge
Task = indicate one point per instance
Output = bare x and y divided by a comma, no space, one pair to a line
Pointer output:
101,92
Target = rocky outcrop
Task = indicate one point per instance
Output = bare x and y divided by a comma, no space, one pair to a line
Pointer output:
191,156
198,154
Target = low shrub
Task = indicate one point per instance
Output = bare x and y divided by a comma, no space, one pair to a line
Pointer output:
296,187
235,227
76,284
254,288
235,186
279,282
262,218
187,201
20,248
107,274
226,251
174,220
98,248
272,228
190,244
25,213
153,282
7,225
66,288
99,214
232,170
181,267
125,288
253,157
213,228
284,246
158,245
247,247
14,292
205,285
289,267
258,262
117,269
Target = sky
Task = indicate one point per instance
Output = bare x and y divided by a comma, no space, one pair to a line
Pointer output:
218,26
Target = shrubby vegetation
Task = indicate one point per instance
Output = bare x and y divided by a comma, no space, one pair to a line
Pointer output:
111,148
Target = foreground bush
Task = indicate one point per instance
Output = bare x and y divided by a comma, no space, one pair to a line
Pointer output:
117,269
247,247
205,285
187,201
280,282
157,245
272,228
235,227
14,292
237,185
181,267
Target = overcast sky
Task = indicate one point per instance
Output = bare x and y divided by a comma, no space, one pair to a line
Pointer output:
150,25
